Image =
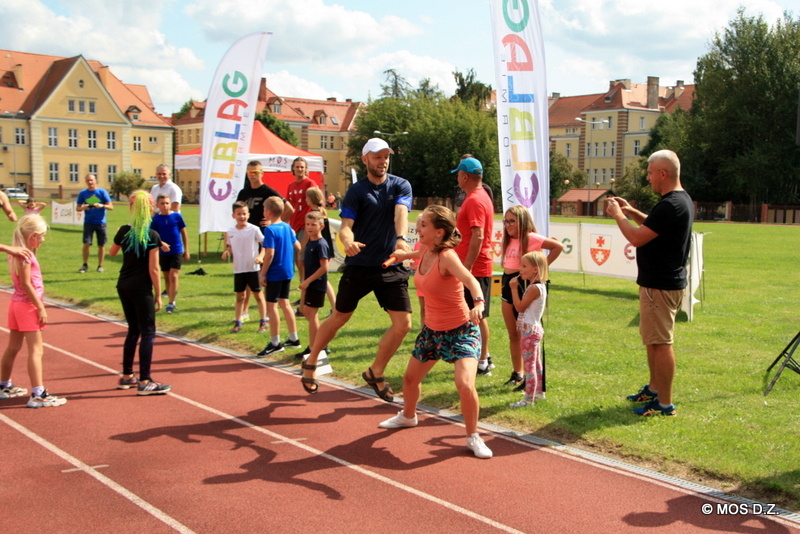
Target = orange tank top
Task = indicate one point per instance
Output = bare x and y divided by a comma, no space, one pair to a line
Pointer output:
445,308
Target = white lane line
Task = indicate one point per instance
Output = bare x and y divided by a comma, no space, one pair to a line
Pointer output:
132,497
76,470
297,443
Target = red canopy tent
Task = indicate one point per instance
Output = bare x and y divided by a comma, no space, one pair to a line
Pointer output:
276,157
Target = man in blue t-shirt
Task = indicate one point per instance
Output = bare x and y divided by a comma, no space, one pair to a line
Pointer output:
662,241
374,224
172,230
93,202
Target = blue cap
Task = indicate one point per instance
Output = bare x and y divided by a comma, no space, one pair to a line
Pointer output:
470,165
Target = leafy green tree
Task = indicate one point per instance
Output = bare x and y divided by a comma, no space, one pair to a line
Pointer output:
396,86
563,176
634,188
468,89
277,126
745,111
125,183
428,89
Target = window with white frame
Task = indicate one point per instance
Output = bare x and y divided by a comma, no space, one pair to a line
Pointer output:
111,140
588,150
71,106
91,107
53,171
112,171
81,106
605,148
52,136
91,139
73,172
642,125
610,123
276,107
568,149
153,139
597,149
72,138
92,168
19,136
137,143
636,146
604,176
323,141
613,148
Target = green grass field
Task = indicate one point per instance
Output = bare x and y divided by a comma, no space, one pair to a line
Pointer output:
726,435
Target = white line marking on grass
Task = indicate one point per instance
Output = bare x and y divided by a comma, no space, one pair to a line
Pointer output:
127,494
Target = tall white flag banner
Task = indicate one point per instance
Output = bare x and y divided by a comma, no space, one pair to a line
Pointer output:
522,121
227,129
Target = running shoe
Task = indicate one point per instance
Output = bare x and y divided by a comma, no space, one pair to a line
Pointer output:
644,395
478,447
399,421
484,371
271,349
152,388
45,400
294,344
302,355
654,408
83,268
521,403
237,325
515,379
262,326
245,317
171,307
127,383
100,269
12,391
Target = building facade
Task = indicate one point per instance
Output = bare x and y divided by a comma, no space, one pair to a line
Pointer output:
601,134
323,127
63,118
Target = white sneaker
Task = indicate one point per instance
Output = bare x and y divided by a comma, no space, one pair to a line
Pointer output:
521,403
245,317
45,400
478,447
400,421
12,391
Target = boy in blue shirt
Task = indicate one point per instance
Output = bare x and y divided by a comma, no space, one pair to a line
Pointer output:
172,230
280,246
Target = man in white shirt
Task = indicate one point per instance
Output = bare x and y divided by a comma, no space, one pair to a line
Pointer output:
166,186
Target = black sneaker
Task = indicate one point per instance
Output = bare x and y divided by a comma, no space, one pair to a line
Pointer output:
302,355
515,379
272,349
486,371
521,386
83,268
289,343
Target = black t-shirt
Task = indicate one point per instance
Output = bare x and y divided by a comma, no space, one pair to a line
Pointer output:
254,198
662,261
135,271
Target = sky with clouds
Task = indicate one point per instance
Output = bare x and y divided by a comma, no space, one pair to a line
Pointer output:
341,48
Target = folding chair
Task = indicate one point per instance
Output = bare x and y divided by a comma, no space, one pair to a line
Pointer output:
788,361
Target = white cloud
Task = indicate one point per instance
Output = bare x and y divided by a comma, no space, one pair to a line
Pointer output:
283,83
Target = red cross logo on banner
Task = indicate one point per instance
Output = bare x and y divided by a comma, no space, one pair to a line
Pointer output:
600,248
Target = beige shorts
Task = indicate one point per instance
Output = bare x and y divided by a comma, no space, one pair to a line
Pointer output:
657,311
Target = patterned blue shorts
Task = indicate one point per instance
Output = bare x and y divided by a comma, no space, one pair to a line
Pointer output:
448,345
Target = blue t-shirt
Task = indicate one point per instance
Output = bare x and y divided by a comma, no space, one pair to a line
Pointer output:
316,250
281,238
98,196
169,228
372,209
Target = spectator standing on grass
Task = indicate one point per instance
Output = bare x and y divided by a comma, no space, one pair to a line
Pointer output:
243,242
296,195
315,200
27,316
277,271
662,241
519,238
374,221
451,331
166,186
172,230
316,257
139,290
94,202
530,306
475,221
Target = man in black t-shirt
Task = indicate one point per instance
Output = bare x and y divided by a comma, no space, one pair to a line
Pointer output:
662,241
254,194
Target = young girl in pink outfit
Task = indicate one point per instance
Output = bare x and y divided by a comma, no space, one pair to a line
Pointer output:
519,237
533,270
450,332
27,316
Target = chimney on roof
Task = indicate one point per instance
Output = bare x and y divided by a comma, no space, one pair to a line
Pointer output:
625,82
331,99
679,88
652,92
102,73
18,75
348,100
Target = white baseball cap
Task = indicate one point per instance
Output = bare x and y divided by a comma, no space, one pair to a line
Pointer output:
376,145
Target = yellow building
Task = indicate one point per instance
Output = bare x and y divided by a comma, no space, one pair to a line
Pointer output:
603,133
323,127
62,118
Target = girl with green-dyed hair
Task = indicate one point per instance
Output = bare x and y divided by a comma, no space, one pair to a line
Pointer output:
138,278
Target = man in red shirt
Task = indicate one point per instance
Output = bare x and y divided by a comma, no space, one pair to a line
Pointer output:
296,195
475,220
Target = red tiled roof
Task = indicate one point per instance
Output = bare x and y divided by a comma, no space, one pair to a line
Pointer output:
581,195
564,110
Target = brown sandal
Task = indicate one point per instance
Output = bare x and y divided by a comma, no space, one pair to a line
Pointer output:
384,393
308,382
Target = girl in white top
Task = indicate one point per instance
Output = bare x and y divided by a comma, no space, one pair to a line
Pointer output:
519,237
533,269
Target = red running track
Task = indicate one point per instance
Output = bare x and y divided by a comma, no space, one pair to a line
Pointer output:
239,447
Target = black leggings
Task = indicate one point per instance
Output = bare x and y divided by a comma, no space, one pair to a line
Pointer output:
140,312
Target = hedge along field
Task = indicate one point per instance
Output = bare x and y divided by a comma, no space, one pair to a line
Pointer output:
726,435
